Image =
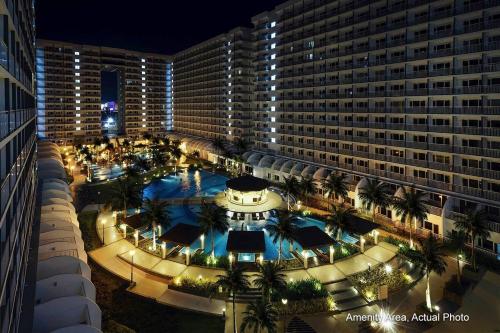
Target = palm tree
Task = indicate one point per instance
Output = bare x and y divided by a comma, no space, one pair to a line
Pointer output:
166,141
473,224
241,145
156,211
125,193
142,163
411,206
147,136
338,219
212,218
307,187
270,278
431,258
284,228
456,243
233,281
335,185
219,145
374,194
260,316
292,188
157,157
97,143
176,153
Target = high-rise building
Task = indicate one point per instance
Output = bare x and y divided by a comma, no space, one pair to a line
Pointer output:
17,151
69,91
213,87
407,92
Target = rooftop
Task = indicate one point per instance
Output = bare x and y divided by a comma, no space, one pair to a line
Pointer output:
312,238
247,183
182,234
246,242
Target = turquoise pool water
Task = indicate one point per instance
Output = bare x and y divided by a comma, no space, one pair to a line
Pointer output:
187,184
103,173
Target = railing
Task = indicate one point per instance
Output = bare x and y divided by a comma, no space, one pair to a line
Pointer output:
13,119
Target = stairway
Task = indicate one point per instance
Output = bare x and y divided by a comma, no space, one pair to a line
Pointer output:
297,325
345,296
249,296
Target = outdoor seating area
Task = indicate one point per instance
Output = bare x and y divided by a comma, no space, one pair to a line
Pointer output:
179,240
314,241
246,246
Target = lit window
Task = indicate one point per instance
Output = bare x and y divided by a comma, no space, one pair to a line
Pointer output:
273,108
273,129
229,100
143,60
273,45
230,133
77,60
273,140
273,77
143,102
77,74
144,108
77,88
143,119
273,98
78,115
229,108
273,56
144,113
143,125
229,76
77,108
229,92
77,101
143,96
77,94
273,35
229,84
229,59
273,119
77,81
78,128
143,90
143,78
143,84
273,24
77,67
273,88
78,121
229,124
77,53
273,67
229,116
143,73
228,51
142,66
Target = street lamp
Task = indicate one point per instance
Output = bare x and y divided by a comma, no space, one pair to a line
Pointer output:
103,222
285,302
132,283
98,202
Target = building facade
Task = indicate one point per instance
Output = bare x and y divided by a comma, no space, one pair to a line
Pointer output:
407,92
17,154
69,91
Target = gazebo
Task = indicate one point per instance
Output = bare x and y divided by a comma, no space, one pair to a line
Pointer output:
311,239
247,190
363,227
181,235
247,245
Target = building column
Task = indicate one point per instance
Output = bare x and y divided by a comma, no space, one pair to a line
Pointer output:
164,250
188,255
304,257
362,244
136,238
332,252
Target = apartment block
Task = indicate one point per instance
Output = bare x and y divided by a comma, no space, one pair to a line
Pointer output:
69,91
213,87
17,154
407,92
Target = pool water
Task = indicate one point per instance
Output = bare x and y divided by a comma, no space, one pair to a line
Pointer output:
203,183
186,184
103,173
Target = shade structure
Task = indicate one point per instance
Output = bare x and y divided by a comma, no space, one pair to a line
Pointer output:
246,241
360,225
297,169
277,164
246,155
254,159
182,234
312,238
247,183
287,166
136,221
321,174
266,161
308,171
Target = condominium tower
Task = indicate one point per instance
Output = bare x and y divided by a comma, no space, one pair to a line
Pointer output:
407,92
69,91
17,152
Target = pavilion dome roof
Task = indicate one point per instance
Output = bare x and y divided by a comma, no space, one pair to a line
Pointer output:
247,183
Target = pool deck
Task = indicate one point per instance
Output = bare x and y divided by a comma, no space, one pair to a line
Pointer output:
152,274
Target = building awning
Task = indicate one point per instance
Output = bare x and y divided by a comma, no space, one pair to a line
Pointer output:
321,174
246,155
297,169
308,171
247,183
287,166
312,238
136,221
182,234
266,161
246,242
360,225
254,159
277,164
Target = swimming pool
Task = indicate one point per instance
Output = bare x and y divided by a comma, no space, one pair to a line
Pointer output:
187,184
103,173
188,214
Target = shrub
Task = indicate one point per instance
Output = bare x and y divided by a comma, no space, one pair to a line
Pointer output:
203,259
302,290
200,287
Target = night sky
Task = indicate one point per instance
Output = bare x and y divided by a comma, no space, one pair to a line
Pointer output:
162,26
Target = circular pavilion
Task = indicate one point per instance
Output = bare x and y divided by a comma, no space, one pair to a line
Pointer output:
248,199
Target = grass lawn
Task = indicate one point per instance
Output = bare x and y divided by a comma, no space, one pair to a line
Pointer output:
124,312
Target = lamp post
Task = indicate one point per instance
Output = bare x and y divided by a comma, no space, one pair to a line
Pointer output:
285,302
98,202
132,283
103,222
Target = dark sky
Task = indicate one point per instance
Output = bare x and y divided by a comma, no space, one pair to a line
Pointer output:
163,26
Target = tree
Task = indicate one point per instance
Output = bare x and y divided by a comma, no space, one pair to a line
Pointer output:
307,187
176,153
411,206
431,257
157,157
335,185
260,316
456,242
473,223
283,228
338,219
292,187
142,163
125,193
166,141
147,136
212,218
233,281
241,145
270,278
374,194
219,145
156,211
